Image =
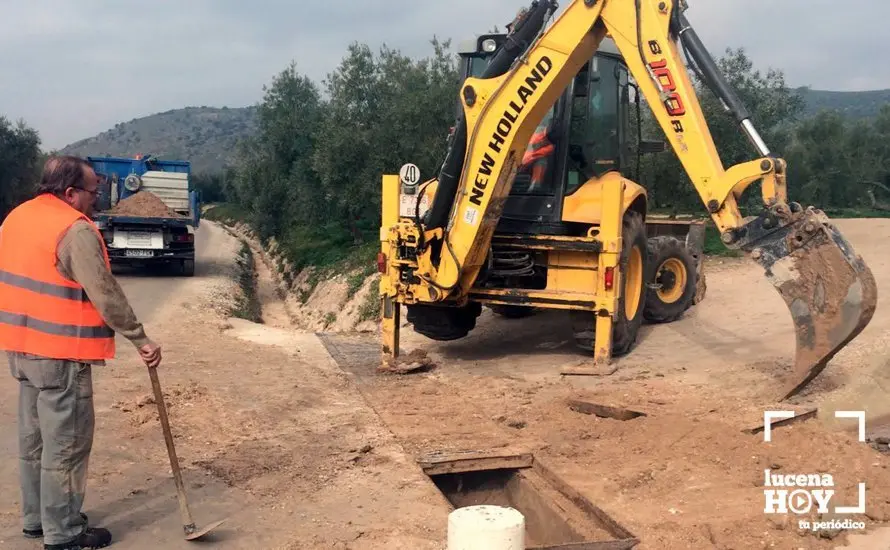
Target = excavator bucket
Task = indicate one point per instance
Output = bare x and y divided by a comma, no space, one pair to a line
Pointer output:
830,291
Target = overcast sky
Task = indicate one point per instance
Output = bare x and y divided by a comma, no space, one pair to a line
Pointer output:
74,68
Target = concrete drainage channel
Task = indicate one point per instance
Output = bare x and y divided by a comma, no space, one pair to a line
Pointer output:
556,515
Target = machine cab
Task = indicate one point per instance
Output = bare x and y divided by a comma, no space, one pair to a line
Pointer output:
584,135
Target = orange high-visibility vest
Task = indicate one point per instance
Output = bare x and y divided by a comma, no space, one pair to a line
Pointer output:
539,147
42,312
536,155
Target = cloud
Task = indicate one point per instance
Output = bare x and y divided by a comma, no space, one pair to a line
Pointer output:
73,69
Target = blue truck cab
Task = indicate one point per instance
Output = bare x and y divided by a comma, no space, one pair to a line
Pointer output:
142,238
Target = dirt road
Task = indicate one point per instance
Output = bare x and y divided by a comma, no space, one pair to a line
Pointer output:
273,437
300,451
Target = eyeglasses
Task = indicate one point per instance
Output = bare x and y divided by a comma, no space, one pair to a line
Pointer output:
93,193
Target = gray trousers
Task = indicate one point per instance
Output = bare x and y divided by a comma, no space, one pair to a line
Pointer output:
56,424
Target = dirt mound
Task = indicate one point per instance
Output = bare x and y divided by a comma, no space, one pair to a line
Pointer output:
144,409
246,461
416,361
144,203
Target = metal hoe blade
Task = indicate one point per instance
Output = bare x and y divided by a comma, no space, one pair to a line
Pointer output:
193,534
829,290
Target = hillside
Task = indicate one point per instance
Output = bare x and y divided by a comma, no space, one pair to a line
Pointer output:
205,136
852,104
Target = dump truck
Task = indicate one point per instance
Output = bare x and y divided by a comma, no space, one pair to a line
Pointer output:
457,241
147,211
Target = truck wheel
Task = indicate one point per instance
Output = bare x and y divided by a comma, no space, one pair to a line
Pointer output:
188,268
675,276
512,312
634,262
444,323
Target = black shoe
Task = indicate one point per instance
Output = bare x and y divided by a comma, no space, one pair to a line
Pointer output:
93,537
38,533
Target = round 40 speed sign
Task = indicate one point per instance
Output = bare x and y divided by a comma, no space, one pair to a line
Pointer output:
409,174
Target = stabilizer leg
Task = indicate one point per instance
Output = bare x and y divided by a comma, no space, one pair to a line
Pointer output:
610,281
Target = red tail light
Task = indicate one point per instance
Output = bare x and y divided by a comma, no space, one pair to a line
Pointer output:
381,262
609,278
184,238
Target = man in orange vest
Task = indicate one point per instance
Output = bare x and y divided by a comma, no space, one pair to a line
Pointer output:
60,307
540,150
537,156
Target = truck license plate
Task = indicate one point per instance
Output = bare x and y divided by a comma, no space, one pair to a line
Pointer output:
139,238
139,253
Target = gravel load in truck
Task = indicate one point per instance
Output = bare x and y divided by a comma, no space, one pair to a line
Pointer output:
144,204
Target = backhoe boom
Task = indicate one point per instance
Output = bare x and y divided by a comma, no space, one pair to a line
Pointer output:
501,112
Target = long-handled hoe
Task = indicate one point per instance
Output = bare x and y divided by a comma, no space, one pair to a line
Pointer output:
188,524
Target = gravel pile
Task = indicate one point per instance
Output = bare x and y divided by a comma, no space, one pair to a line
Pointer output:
144,204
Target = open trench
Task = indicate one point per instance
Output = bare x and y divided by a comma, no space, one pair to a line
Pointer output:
474,457
273,311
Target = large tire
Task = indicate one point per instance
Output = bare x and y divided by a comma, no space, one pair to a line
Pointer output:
444,323
634,266
512,312
673,268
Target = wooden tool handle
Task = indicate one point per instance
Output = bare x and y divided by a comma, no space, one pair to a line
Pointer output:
187,523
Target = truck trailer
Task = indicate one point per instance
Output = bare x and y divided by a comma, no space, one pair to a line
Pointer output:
142,231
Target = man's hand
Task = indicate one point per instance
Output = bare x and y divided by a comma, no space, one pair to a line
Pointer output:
151,354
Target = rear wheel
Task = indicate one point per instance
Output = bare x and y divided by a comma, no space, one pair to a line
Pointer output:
444,323
674,274
629,315
188,268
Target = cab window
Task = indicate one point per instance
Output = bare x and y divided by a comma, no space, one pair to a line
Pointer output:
594,140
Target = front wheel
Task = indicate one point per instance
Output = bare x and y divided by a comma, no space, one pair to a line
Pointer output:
443,323
633,265
674,277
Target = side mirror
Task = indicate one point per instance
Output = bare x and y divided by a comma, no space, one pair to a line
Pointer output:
648,147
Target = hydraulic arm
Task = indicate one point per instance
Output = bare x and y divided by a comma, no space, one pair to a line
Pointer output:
830,291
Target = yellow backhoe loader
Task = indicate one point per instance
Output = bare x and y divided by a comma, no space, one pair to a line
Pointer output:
595,109
497,227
